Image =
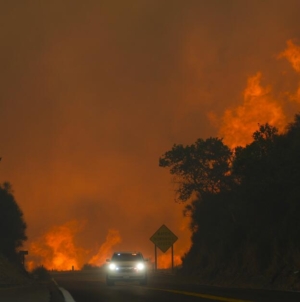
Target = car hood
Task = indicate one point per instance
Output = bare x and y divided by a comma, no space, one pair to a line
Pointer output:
126,263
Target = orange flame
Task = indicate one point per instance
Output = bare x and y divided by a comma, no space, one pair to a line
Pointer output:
112,238
292,54
164,261
56,249
238,124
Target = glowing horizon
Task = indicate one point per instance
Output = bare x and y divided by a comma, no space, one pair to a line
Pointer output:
91,101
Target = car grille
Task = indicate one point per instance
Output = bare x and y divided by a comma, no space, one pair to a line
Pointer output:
126,269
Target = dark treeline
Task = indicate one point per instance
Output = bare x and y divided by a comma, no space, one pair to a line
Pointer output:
12,225
245,208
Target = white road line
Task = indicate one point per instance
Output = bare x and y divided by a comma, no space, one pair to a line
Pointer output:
67,295
54,282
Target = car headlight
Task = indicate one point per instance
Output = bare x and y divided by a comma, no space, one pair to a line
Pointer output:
112,266
140,266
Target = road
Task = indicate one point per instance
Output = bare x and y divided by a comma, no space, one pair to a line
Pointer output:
89,286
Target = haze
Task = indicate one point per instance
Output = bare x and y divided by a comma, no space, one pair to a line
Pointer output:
94,92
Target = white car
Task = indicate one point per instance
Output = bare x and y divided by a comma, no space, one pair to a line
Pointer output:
126,266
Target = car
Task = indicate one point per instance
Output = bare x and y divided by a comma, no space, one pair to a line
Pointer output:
126,266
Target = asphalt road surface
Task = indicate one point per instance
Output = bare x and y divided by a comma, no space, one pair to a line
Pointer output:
90,286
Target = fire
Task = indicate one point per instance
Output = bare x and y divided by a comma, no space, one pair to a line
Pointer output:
164,261
56,249
292,54
238,124
112,238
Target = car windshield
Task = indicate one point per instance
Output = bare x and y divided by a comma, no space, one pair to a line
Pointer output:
127,257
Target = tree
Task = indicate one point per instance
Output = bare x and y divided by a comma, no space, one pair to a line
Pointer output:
247,218
12,225
199,168
256,159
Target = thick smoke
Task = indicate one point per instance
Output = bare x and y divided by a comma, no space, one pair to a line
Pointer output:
94,92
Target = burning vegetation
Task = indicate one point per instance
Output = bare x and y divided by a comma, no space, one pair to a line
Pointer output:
57,249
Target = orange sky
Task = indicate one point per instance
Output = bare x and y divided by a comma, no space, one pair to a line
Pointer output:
94,92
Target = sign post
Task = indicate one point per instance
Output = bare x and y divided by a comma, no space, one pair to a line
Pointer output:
163,238
155,257
172,252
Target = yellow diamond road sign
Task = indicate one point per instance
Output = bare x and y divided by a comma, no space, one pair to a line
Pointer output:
163,238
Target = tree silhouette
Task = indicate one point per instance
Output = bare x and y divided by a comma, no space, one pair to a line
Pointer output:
245,216
198,168
12,225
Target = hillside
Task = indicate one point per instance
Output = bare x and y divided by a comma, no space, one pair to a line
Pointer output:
11,275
